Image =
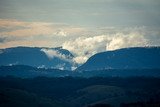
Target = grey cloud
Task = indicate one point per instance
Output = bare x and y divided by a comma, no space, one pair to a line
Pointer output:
5,39
85,12
2,39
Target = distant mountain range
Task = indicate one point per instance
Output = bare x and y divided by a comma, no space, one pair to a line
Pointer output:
57,58
57,62
127,58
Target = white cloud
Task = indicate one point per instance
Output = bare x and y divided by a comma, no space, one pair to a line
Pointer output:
60,66
85,47
73,68
54,53
80,59
121,40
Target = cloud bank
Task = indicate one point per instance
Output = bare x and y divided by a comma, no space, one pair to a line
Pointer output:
55,53
82,41
39,34
85,47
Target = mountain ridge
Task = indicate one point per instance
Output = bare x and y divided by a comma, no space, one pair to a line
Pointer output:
37,57
125,58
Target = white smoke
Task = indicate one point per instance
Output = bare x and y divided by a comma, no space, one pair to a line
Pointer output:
85,47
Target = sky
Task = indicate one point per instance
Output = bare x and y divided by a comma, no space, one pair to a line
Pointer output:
84,27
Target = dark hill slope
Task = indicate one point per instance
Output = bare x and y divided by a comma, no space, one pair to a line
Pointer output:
127,58
33,56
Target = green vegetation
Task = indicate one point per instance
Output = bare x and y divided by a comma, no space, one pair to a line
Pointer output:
19,98
79,92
